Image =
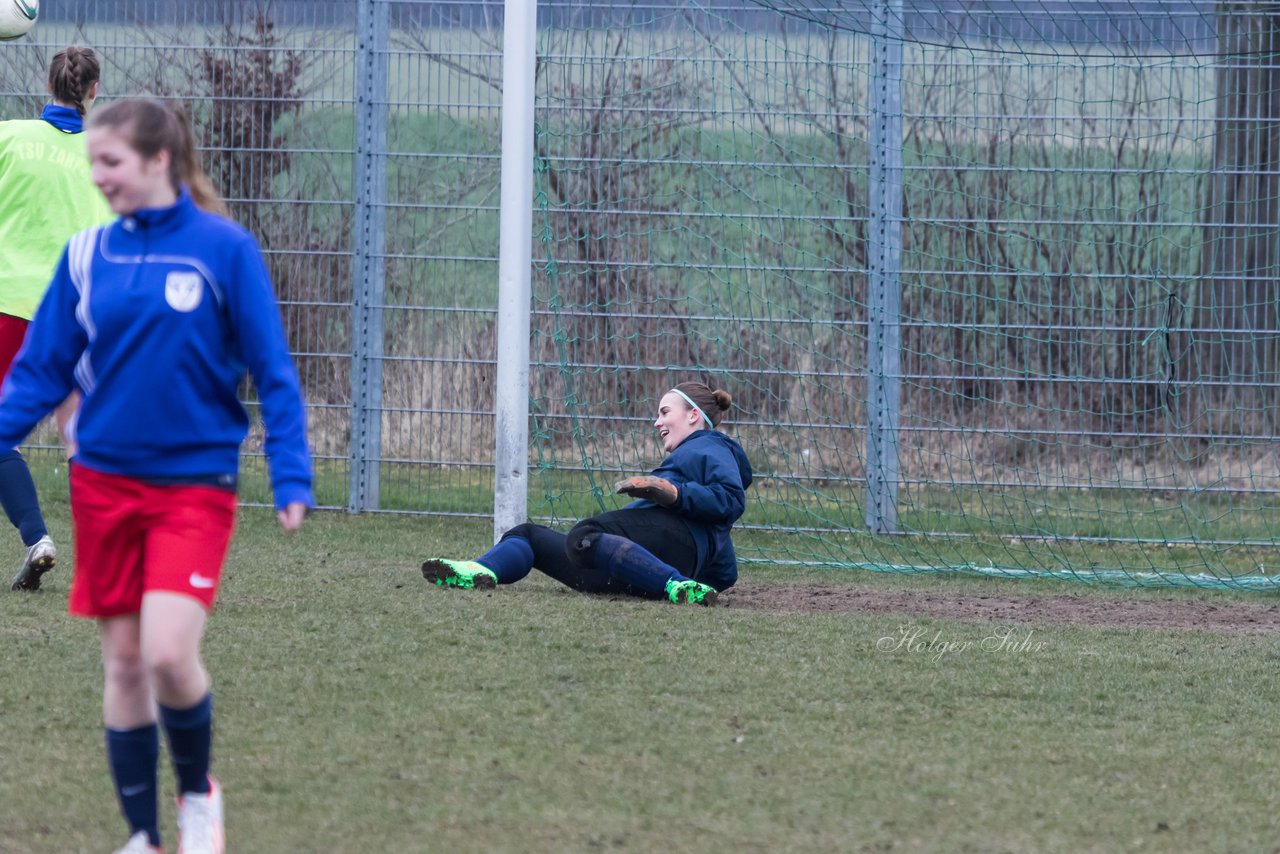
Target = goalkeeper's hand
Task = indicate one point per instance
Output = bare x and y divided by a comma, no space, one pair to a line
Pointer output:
655,489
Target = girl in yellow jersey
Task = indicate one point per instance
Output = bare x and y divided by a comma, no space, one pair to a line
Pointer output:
45,197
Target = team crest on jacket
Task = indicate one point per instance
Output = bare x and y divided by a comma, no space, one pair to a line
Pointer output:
182,290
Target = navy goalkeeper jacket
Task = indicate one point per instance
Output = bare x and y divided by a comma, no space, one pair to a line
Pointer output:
712,474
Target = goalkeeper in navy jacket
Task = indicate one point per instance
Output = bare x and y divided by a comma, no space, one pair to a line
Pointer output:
154,319
673,541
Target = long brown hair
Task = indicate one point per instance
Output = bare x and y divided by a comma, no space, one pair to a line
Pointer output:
72,73
714,404
150,126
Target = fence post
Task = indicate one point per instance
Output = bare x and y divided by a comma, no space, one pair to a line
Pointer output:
884,253
369,264
515,265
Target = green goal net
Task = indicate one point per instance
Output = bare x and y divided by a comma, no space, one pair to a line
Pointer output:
993,285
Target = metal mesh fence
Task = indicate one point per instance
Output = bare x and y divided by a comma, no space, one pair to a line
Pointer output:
1022,255
280,93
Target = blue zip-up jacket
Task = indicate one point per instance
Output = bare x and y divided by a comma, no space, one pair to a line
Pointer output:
154,319
712,473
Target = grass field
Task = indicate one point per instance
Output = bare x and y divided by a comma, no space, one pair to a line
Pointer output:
1208,540
360,709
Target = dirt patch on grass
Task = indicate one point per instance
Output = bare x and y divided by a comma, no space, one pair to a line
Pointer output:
1091,609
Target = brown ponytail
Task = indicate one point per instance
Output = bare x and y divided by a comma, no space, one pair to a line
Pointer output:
190,172
72,74
151,127
714,404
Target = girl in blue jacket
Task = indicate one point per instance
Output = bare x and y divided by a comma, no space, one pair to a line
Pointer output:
154,319
672,541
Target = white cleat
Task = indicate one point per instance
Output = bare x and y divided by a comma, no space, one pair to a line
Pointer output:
40,558
140,844
200,828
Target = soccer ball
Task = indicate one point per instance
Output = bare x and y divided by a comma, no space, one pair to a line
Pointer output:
17,17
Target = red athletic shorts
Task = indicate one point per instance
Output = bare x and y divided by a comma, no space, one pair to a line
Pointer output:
13,330
132,538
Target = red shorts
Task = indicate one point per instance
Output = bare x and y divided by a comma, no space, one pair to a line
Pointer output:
13,330
133,538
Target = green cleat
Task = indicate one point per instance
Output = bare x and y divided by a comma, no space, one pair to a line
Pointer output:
692,592
459,573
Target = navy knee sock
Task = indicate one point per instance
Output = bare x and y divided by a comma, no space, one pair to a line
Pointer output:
190,733
18,497
510,559
633,564
133,755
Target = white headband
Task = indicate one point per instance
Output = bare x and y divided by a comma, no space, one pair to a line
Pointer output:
697,408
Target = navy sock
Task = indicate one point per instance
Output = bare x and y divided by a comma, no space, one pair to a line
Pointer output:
510,559
133,755
632,563
190,733
18,497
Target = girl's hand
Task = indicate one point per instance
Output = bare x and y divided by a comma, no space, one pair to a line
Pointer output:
291,516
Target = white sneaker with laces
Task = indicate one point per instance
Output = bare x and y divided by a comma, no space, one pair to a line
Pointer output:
140,844
41,557
200,828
